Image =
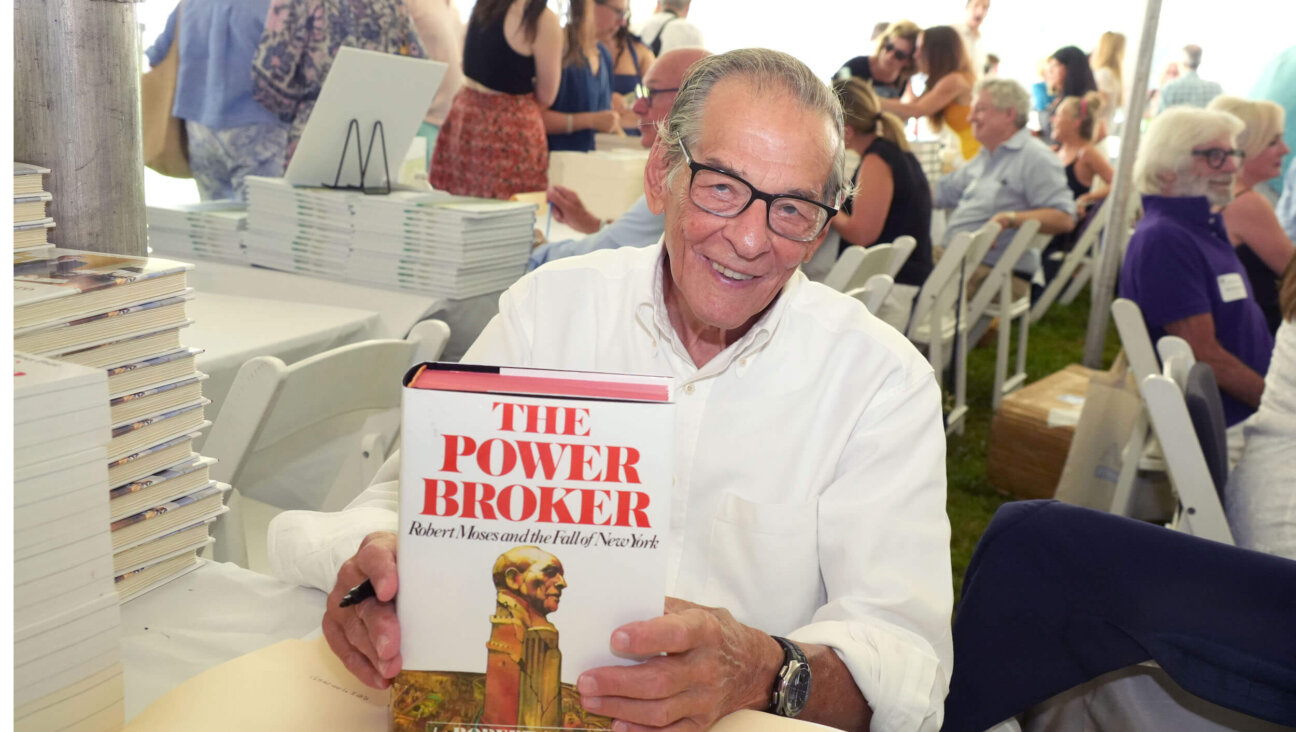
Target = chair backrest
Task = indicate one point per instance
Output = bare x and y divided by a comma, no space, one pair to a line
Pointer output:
856,265
982,239
1200,511
940,289
1135,339
824,257
901,249
1003,269
874,292
1176,358
1201,394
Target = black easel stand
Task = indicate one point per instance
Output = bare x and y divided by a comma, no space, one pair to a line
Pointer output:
363,164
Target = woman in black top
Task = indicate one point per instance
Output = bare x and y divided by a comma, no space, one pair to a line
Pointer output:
891,64
892,197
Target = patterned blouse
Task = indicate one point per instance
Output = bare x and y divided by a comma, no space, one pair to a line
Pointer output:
301,39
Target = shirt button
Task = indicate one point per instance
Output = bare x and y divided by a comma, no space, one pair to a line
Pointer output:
688,389
742,361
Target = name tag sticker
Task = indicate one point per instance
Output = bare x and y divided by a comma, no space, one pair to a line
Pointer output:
1232,287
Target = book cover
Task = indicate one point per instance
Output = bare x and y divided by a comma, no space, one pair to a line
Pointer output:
99,282
150,460
160,520
113,325
158,488
127,350
533,521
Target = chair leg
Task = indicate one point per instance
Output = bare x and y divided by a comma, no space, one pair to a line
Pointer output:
1019,376
1001,358
1078,282
1130,457
960,378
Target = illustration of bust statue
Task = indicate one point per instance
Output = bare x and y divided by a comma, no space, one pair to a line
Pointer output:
523,663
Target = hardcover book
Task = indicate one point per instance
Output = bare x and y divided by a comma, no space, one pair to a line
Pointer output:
30,236
534,511
28,178
75,284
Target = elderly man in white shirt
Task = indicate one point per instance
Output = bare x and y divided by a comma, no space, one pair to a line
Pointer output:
809,499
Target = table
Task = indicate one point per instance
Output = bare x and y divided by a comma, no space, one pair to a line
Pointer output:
235,328
215,613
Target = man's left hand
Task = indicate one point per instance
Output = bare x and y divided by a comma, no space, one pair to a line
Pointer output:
713,665
1006,219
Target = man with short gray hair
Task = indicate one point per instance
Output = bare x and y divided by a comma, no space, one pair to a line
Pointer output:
1013,179
669,28
808,568
1189,89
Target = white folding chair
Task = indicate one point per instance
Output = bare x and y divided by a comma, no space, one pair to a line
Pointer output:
824,257
857,264
1079,255
309,435
1200,511
994,299
1176,358
1142,451
874,292
901,249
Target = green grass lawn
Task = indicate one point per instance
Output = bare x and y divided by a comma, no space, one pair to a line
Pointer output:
1056,341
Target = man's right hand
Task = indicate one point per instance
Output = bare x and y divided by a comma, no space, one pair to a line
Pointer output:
568,209
367,636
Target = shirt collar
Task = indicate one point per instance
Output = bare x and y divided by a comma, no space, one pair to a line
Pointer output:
1192,210
651,314
1018,140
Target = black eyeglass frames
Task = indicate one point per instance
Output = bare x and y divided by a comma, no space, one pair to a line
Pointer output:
1216,156
726,195
643,92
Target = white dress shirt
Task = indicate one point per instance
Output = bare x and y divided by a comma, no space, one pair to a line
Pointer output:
810,468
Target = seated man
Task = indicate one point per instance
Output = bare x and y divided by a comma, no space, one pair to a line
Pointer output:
1180,267
809,494
1014,178
637,227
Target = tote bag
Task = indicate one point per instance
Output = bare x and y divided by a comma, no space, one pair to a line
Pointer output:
166,146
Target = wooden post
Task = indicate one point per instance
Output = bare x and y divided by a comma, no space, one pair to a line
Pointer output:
1116,235
77,112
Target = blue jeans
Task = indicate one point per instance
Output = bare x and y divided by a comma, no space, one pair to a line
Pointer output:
220,159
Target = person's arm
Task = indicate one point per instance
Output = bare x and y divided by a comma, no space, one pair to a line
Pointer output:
933,100
1047,198
872,202
568,208
638,227
1052,220
1250,220
1234,377
602,120
547,50
949,189
162,44
275,84
1098,163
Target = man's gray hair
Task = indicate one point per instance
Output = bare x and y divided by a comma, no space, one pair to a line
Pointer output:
1006,94
769,72
675,4
1192,56
1166,147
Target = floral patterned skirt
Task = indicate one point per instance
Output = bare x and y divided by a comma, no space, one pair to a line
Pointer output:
491,146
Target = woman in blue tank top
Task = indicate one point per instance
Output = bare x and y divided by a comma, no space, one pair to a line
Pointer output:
584,102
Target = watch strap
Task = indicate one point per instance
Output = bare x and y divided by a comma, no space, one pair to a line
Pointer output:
791,685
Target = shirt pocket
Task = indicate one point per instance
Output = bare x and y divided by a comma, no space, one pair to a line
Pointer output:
764,562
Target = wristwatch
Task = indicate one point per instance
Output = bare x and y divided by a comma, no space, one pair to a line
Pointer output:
792,685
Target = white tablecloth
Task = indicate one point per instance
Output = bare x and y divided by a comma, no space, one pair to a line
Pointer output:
211,615
233,329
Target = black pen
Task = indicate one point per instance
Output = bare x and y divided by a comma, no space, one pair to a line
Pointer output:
358,594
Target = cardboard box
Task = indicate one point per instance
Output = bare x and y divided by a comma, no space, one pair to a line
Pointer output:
1031,433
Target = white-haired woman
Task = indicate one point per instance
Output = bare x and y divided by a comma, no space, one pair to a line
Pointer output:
1262,245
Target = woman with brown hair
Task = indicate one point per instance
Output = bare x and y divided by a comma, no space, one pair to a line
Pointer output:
1260,499
584,102
892,63
892,198
947,100
493,142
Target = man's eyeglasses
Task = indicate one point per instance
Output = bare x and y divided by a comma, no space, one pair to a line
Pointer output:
622,13
1216,156
643,92
726,195
905,56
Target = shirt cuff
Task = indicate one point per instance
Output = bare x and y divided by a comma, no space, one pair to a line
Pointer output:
309,547
897,671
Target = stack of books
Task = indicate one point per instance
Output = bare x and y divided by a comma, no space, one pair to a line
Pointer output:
67,644
305,230
428,242
211,230
31,224
122,316
451,247
608,181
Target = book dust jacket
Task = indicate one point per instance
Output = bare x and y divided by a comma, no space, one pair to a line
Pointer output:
534,515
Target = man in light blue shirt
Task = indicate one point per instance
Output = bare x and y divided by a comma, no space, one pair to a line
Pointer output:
637,227
1189,88
231,135
1014,178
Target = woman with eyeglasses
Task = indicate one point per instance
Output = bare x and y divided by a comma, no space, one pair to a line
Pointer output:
493,144
1257,236
892,198
947,100
891,64
584,102
631,59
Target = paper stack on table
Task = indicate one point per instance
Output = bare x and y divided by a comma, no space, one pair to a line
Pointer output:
306,230
121,317
31,225
444,246
608,181
67,647
208,230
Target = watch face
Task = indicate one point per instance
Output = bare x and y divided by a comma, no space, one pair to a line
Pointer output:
798,689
